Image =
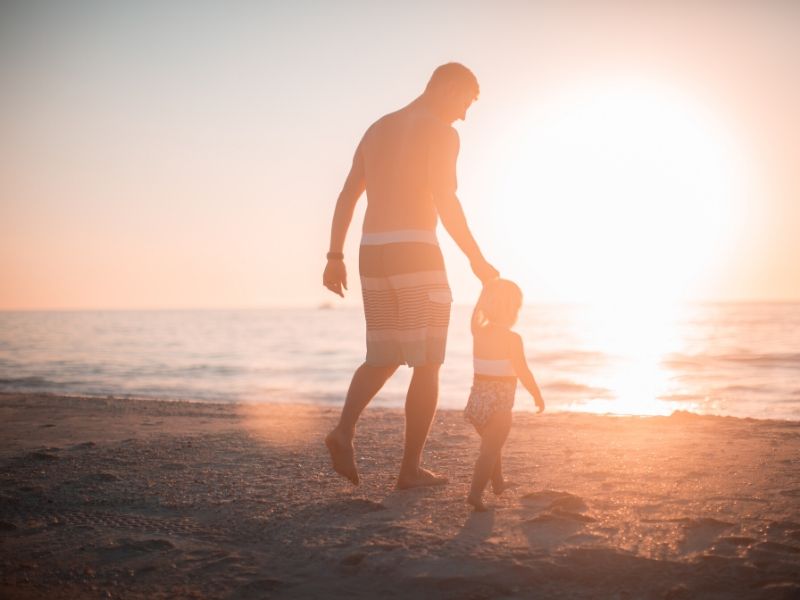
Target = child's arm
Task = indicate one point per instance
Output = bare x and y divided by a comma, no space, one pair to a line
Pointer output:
523,372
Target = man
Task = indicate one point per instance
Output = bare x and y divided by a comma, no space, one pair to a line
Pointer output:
406,162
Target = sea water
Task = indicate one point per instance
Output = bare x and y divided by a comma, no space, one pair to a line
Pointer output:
738,359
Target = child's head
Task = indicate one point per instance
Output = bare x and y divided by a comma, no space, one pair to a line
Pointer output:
498,304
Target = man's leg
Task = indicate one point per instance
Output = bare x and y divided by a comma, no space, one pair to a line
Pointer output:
367,381
423,393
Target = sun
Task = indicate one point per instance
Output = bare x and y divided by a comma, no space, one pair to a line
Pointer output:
619,189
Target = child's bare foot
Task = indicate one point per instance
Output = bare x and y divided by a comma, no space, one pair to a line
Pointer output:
421,478
477,503
342,455
499,487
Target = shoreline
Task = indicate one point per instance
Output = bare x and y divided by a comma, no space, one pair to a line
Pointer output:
125,498
337,406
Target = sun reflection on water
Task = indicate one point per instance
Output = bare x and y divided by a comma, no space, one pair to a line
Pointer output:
637,337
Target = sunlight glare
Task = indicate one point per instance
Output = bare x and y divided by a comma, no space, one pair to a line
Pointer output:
626,189
637,338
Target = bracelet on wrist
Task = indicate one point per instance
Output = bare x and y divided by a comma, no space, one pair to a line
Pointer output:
335,255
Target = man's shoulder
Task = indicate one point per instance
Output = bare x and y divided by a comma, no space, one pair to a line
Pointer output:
438,133
393,117
437,126
420,123
382,124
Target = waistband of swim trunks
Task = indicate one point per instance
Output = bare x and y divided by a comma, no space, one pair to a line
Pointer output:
476,377
423,236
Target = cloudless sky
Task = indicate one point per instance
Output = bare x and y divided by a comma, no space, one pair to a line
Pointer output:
189,154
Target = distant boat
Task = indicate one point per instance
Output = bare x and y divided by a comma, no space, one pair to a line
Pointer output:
325,306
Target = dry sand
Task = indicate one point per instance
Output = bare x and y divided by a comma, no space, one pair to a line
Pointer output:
145,499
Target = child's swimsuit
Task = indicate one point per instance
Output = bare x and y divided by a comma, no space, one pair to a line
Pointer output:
493,390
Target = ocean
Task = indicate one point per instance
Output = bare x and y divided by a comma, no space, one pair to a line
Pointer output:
733,359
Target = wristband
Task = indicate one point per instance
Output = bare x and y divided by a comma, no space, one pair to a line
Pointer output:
335,256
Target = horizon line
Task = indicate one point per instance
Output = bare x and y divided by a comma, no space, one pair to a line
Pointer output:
331,305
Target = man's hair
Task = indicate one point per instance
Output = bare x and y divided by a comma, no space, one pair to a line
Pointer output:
454,74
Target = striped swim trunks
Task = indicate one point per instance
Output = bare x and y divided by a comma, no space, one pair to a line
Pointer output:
406,298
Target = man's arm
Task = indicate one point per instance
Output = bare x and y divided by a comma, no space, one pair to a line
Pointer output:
442,171
335,276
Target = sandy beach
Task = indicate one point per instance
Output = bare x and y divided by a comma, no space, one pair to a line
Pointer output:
122,498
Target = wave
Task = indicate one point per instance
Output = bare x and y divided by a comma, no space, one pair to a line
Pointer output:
36,382
583,356
574,387
681,398
790,359
773,359
675,361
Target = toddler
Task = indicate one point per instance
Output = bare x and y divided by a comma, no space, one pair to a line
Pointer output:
498,361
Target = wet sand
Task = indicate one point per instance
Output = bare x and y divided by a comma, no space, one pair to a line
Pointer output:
120,498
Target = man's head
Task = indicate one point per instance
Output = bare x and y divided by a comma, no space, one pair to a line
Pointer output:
452,89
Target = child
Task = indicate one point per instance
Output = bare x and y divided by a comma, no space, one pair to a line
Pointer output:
499,360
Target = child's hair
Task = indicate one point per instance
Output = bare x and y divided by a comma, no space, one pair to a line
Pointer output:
499,303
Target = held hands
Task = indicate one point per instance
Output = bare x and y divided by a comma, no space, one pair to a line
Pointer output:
335,276
483,270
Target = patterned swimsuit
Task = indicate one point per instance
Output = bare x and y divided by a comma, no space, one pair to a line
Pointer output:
492,390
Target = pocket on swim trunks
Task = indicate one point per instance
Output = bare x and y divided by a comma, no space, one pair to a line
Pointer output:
439,302
441,296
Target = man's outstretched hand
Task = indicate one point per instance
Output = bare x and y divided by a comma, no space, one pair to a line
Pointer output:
335,276
484,271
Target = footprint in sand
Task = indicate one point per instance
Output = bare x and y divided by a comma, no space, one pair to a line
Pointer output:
43,455
779,528
83,446
173,467
559,521
354,507
772,551
549,530
263,585
700,534
102,477
732,545
552,499
127,548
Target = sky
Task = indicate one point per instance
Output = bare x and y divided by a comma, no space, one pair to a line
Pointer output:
189,154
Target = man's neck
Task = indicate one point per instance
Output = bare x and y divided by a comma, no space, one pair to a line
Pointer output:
429,103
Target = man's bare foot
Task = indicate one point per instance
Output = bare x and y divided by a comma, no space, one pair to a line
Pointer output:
477,503
421,478
342,455
499,488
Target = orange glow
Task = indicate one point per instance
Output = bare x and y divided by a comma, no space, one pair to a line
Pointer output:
616,148
639,337
627,189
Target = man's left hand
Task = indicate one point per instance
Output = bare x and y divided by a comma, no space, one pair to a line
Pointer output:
335,276
484,271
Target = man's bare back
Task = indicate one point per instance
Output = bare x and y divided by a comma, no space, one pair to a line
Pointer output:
408,156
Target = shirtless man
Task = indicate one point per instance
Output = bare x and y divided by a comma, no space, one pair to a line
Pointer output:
406,162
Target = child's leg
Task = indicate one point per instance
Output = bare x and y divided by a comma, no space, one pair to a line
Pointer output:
497,473
499,483
492,439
